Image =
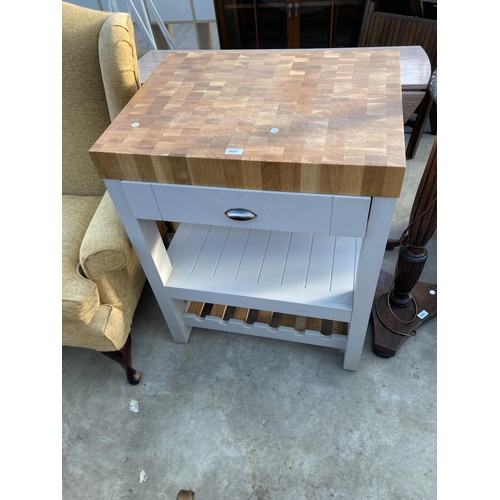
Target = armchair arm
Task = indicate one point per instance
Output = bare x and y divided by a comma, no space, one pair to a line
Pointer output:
105,246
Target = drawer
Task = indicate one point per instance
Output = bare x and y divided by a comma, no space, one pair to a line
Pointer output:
280,211
273,210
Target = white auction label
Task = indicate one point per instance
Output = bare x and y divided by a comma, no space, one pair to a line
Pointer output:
234,151
423,314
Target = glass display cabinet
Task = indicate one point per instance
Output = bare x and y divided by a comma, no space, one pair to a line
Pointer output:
268,24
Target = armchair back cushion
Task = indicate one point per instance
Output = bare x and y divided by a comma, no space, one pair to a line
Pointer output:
84,106
89,101
118,59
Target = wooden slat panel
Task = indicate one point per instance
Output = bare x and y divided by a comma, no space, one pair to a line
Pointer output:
339,327
369,9
408,30
385,30
241,314
196,308
288,320
263,330
314,324
265,317
218,310
300,323
419,32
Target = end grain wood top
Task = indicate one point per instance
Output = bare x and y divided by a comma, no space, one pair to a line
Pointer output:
319,121
415,64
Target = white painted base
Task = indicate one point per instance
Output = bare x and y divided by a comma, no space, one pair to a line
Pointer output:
330,276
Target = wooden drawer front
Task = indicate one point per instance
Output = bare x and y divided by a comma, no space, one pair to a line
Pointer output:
274,210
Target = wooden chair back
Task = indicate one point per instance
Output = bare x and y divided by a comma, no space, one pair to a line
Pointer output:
382,29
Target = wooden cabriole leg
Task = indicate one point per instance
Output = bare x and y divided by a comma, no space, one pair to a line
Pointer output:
419,126
124,358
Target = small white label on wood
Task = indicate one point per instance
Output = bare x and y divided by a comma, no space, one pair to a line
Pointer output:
234,151
423,314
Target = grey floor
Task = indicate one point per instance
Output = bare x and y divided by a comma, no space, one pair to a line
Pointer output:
237,417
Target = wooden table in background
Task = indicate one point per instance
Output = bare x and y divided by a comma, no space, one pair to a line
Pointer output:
282,168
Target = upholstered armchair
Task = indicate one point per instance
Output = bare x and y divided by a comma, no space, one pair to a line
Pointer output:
102,279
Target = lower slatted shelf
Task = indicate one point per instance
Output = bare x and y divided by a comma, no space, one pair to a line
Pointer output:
313,331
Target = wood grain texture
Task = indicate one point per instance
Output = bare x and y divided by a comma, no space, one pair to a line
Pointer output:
411,100
274,320
415,65
384,29
338,115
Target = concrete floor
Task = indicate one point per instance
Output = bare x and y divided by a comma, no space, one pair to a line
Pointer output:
236,417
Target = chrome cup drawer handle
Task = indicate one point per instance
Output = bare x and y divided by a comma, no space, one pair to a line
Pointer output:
240,214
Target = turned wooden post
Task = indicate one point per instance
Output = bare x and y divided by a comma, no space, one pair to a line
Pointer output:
423,224
402,303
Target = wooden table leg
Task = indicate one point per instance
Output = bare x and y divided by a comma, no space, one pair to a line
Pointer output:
426,109
401,302
419,125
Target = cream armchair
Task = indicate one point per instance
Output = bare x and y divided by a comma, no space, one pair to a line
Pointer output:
102,279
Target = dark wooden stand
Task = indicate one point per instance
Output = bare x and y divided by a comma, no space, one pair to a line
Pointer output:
385,342
402,303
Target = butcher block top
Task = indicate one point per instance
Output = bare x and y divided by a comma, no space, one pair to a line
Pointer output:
319,121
